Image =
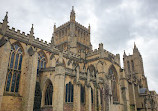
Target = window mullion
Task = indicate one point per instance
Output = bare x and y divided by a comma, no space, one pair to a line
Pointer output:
12,72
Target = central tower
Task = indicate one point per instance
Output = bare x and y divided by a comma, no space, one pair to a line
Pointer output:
72,36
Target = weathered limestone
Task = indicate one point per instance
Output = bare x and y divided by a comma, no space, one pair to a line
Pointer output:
99,100
69,58
77,96
88,98
58,94
30,82
4,59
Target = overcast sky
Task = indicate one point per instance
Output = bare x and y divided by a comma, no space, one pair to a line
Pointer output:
115,23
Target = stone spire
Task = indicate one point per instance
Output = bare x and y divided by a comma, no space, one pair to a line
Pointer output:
72,14
4,24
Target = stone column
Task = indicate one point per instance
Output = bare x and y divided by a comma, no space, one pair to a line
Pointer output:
77,96
99,99
4,59
108,94
88,98
59,81
95,98
31,61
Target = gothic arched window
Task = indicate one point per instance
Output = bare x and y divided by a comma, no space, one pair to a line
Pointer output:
82,94
114,83
41,62
69,92
14,69
91,95
49,94
101,96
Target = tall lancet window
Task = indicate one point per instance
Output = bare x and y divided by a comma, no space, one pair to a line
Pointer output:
114,83
82,94
41,61
14,69
91,95
69,92
49,94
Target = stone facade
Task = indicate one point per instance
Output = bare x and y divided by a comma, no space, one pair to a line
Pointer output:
67,75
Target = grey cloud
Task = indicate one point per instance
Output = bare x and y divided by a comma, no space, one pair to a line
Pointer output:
116,23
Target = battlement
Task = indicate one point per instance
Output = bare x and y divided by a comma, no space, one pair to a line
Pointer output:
18,34
81,26
97,51
100,52
62,26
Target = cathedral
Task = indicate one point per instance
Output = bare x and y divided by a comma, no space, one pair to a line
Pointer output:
67,74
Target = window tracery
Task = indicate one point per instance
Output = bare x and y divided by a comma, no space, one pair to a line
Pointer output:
14,69
41,62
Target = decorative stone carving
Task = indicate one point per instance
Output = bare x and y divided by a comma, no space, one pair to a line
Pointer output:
31,51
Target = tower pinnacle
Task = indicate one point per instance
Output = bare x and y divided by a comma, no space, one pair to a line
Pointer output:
124,55
72,14
6,18
4,24
32,31
135,47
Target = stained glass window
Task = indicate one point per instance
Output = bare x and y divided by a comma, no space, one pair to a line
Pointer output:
91,95
82,94
69,92
14,69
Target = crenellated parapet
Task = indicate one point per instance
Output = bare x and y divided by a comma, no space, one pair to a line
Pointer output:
81,26
62,26
102,53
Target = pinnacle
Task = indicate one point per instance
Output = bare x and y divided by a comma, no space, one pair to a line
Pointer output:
6,17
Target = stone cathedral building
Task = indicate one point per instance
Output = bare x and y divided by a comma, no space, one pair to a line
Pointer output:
67,75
